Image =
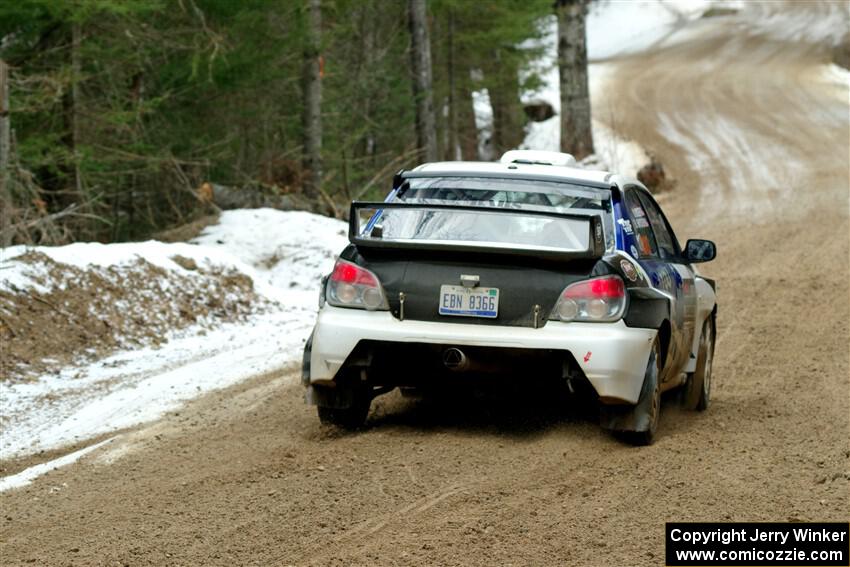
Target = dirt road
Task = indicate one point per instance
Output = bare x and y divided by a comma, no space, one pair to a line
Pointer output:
759,142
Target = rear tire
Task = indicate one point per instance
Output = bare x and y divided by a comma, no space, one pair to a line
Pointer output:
697,389
638,424
352,417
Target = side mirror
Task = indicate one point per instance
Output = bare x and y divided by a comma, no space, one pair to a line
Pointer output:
697,251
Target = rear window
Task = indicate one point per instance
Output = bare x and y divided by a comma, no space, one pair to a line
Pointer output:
514,193
527,230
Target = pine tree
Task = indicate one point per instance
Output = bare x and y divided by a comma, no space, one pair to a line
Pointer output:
124,110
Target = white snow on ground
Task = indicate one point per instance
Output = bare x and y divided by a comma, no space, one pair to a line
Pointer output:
135,386
829,24
279,250
836,75
612,152
26,476
618,27
287,250
86,255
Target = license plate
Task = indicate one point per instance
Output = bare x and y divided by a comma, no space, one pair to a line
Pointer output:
469,301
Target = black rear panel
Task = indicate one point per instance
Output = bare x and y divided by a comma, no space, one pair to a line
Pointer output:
522,282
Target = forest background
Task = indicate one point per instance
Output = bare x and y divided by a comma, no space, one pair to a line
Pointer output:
124,118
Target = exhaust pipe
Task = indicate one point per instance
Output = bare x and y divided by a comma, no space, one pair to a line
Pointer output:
455,360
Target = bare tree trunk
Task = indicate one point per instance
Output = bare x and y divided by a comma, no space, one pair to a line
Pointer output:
576,134
420,53
452,150
312,113
5,160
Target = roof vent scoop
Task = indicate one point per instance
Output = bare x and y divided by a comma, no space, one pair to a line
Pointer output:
538,157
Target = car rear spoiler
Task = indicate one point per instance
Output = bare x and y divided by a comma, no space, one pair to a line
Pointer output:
357,234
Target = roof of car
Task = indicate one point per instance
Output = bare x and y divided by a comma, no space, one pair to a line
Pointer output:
518,170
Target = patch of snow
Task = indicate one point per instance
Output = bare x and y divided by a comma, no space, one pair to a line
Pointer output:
85,255
836,74
18,276
613,152
822,23
285,253
26,476
137,386
619,27
278,250
286,249
620,155
483,111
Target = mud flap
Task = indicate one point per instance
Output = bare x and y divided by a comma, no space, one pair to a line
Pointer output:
632,417
623,418
305,361
330,397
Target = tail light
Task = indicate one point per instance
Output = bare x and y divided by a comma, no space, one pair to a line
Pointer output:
349,285
597,299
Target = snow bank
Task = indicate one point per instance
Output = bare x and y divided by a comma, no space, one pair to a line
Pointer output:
137,386
284,253
285,249
93,255
618,27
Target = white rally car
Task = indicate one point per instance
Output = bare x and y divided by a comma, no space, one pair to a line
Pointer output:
512,268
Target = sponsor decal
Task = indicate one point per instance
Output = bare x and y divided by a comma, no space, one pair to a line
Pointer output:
628,270
634,251
587,356
627,226
645,246
665,280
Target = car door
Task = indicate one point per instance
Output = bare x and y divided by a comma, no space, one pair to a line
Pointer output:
658,255
683,275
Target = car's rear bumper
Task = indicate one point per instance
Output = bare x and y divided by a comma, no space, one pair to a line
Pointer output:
612,356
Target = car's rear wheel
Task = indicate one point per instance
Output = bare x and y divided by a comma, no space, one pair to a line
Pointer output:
351,417
638,424
648,409
697,390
